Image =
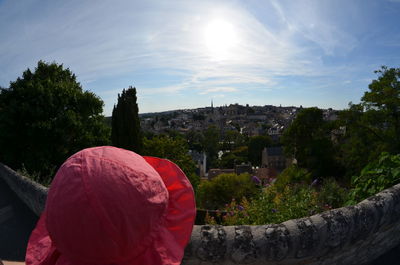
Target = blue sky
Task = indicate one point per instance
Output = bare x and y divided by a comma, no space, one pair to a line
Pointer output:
183,54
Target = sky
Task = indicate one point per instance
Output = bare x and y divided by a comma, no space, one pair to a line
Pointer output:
184,54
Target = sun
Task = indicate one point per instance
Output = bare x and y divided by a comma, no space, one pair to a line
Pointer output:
220,38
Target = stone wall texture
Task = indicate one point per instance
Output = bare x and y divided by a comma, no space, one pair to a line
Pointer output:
349,235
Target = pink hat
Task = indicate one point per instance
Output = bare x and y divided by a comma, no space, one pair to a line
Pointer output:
111,206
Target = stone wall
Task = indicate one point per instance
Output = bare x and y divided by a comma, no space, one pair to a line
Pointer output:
349,235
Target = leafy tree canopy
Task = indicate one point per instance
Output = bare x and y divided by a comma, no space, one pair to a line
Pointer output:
256,146
195,140
233,139
45,116
376,176
211,145
308,140
382,104
373,126
174,149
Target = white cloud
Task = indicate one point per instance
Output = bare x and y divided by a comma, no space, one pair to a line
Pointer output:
155,39
218,89
311,20
96,43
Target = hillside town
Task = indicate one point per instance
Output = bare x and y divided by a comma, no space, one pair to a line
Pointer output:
249,121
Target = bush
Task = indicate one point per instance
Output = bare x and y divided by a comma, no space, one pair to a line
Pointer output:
331,194
292,174
222,189
278,204
272,206
375,177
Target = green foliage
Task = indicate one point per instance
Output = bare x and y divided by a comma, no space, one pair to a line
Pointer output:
360,142
228,160
373,126
34,176
241,151
308,140
174,149
235,157
45,117
256,146
375,177
222,189
275,205
291,175
332,194
324,149
272,206
195,140
232,140
383,101
125,122
211,145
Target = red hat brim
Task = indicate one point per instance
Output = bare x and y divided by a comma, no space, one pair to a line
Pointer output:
170,241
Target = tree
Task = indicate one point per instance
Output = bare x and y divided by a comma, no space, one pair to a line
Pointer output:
232,139
308,140
382,104
195,140
125,122
359,142
175,150
211,145
45,116
256,146
373,126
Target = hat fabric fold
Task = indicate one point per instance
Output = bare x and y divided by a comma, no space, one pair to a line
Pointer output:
107,205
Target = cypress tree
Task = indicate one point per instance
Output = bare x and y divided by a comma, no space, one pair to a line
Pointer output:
125,122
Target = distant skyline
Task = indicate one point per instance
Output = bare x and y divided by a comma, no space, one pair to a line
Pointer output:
183,54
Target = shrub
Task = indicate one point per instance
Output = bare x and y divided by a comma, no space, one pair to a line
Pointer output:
278,204
292,174
375,177
222,189
331,194
271,206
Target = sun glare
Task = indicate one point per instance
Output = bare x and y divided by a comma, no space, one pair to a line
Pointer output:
220,38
